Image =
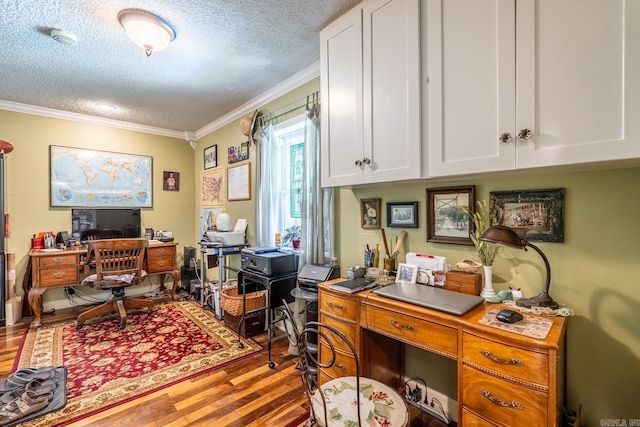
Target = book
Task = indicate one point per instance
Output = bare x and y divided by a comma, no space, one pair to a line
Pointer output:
353,285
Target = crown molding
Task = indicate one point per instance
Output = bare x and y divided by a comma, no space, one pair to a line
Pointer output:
83,118
293,82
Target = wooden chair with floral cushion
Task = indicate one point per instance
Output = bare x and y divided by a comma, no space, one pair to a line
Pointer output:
332,403
118,265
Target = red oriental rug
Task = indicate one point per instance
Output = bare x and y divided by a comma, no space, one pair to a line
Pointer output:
107,366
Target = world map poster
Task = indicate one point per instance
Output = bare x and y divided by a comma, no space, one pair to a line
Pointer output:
90,178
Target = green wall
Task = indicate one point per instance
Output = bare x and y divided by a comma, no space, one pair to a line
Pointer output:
595,272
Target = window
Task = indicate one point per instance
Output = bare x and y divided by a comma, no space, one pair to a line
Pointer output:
289,138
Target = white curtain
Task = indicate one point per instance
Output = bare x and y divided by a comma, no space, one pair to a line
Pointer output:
317,241
317,203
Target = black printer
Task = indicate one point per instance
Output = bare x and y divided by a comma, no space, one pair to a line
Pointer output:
312,274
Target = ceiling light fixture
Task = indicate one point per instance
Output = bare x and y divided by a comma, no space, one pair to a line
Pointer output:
146,30
64,37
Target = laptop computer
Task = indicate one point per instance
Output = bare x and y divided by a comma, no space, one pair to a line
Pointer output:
430,297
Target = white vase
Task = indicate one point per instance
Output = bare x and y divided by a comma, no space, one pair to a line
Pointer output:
487,290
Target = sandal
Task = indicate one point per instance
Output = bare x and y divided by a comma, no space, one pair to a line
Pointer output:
21,407
23,376
37,387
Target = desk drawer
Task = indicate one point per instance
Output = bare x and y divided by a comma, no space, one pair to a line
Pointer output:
341,307
347,329
57,260
421,333
345,364
158,264
471,420
507,360
501,401
65,275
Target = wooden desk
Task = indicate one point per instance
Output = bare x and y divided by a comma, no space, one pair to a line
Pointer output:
504,379
59,269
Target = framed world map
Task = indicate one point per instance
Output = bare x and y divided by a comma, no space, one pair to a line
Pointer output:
91,178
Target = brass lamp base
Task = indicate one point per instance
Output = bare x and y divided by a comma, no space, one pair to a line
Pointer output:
541,300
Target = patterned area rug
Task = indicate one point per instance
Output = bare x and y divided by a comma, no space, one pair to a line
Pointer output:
107,366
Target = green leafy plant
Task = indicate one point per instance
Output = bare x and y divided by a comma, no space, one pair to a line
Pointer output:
486,251
290,234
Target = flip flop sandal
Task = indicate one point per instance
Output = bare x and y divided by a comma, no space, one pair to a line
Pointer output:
21,407
22,376
38,387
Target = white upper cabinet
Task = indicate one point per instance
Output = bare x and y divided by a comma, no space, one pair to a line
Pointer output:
370,89
531,83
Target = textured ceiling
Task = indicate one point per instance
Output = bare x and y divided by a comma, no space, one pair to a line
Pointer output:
226,53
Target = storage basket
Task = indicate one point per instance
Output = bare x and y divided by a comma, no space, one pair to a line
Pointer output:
232,302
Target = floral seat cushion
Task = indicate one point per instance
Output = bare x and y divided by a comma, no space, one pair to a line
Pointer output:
380,405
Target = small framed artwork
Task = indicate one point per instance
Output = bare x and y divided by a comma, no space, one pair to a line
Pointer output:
407,273
448,212
211,157
239,182
536,215
370,212
402,214
212,188
238,153
171,181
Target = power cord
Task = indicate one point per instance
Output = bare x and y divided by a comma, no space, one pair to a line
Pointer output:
414,398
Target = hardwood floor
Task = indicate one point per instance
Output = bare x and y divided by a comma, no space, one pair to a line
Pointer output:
245,393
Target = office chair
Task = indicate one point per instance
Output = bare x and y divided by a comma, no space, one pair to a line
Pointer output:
118,264
334,403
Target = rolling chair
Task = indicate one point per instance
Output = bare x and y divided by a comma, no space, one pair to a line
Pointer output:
332,403
118,264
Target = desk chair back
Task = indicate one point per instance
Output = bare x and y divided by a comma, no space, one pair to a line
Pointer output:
118,262
331,403
100,234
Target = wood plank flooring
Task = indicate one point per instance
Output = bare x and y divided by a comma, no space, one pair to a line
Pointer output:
245,393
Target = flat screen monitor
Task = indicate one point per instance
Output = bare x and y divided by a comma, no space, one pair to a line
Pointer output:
126,220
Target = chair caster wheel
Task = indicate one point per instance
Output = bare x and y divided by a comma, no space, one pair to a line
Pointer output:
271,364
78,327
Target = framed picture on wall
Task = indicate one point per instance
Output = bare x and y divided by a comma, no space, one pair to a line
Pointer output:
402,214
212,188
370,212
536,215
211,157
448,214
171,181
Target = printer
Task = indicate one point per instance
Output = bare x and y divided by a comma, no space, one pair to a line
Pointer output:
268,261
312,274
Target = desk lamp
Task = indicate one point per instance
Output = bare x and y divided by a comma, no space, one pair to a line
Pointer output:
501,235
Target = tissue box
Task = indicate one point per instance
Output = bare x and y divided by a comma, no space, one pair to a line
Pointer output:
227,238
13,307
467,283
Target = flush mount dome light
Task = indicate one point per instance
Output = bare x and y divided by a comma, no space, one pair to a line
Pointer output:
146,30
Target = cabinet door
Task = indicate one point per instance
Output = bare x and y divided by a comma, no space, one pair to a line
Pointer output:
391,70
578,81
341,106
471,89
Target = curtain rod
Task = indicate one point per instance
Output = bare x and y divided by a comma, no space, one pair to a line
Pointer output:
305,100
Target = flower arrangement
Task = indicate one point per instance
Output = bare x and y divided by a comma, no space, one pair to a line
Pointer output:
291,234
486,251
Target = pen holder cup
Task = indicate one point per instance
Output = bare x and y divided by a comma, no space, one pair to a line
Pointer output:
389,264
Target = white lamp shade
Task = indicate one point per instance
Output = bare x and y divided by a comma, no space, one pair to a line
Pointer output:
146,30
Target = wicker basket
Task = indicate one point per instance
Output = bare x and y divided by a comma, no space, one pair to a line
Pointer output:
232,302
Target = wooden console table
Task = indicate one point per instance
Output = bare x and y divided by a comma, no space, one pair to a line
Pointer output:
62,268
504,378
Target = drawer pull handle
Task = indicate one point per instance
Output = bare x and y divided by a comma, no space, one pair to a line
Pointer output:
58,259
160,251
58,275
499,402
400,326
488,355
336,306
160,263
339,366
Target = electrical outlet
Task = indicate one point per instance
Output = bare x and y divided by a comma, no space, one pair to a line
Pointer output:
428,400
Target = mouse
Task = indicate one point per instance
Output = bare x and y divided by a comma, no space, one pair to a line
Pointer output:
509,316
